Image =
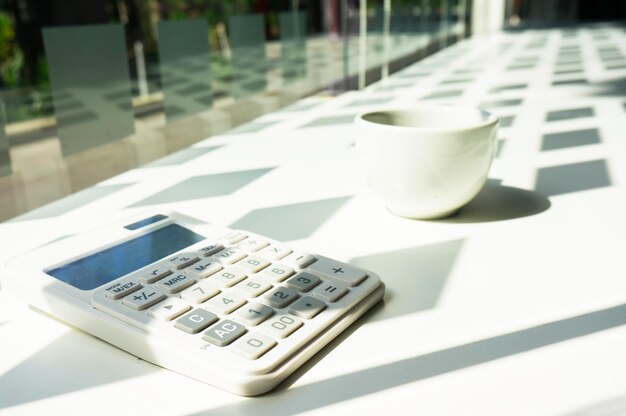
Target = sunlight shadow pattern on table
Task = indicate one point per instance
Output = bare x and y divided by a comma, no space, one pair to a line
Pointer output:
97,365
251,127
420,367
415,276
561,140
290,222
330,121
71,202
575,177
181,156
206,186
569,114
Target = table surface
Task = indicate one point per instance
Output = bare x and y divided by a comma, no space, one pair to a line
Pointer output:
514,306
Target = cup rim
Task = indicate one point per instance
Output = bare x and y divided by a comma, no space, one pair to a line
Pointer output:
492,119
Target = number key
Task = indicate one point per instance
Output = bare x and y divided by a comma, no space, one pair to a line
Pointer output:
199,292
280,297
225,303
253,264
277,272
253,314
253,286
281,326
303,282
253,345
228,277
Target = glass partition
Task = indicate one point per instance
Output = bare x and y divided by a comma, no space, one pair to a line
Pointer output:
108,85
184,67
90,82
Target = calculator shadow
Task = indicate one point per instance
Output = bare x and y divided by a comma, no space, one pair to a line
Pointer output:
497,202
418,273
71,363
288,401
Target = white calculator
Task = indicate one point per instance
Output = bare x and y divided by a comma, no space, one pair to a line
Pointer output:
227,307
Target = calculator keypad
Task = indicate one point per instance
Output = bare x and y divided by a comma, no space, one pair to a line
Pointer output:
241,293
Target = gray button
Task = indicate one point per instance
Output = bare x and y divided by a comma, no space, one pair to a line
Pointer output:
303,282
182,260
254,314
351,276
307,307
329,291
175,283
279,297
224,332
121,289
158,272
195,321
143,299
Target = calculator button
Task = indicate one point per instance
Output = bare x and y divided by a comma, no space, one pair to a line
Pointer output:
234,237
329,291
279,297
307,307
303,281
253,286
203,268
281,326
195,321
182,260
277,272
121,289
252,245
225,303
228,277
199,292
351,276
210,249
253,314
253,264
158,272
175,283
253,345
299,260
224,333
229,255
168,310
143,299
274,252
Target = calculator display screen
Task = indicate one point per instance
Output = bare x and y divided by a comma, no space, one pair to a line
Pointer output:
104,266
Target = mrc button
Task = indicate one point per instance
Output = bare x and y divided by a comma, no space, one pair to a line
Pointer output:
121,289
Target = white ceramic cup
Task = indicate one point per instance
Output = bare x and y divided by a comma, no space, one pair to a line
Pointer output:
426,162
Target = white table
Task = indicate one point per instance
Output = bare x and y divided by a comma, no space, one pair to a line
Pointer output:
516,306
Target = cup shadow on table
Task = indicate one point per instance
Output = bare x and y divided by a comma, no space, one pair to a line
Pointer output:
497,202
